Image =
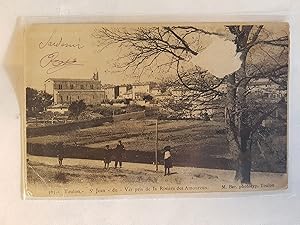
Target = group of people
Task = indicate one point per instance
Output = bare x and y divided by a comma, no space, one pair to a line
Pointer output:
118,155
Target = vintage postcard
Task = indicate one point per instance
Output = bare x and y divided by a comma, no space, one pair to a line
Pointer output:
129,109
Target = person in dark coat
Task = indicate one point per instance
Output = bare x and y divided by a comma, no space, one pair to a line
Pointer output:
167,159
60,154
119,154
107,157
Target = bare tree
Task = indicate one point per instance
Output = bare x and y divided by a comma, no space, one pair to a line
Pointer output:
244,118
263,55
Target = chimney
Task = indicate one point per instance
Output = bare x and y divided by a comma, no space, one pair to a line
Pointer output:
96,76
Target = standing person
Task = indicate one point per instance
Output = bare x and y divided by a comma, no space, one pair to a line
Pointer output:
107,157
167,160
119,153
60,154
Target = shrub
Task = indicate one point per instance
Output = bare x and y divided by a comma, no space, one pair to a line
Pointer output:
135,108
107,110
76,108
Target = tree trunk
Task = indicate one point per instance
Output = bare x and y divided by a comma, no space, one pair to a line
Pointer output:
237,125
232,124
244,161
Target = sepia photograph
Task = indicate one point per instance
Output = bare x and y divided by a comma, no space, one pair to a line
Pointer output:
131,109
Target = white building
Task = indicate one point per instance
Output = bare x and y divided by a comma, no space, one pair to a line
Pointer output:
109,91
267,89
117,91
138,89
155,91
66,90
122,90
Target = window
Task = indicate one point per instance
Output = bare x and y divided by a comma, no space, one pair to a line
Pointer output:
82,86
71,86
78,97
92,86
67,97
61,99
60,86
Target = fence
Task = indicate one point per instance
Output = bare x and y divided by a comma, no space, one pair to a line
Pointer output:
61,128
128,116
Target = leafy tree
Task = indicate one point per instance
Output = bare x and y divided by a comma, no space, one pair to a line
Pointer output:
76,108
263,53
37,101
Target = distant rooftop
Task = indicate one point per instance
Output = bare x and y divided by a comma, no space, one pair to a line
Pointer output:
70,79
108,86
143,83
80,90
115,85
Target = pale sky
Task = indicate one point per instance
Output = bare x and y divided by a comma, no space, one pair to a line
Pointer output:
218,57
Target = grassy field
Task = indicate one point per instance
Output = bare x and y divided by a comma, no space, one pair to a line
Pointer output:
140,134
194,143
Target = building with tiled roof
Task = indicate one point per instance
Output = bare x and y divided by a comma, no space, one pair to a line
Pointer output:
66,90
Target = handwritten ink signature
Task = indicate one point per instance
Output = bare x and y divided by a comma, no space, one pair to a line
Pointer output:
54,64
51,42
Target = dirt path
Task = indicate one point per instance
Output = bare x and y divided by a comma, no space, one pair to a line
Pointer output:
80,177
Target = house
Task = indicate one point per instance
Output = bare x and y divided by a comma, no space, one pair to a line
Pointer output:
67,90
128,94
155,91
265,88
141,88
109,91
121,90
117,91
177,92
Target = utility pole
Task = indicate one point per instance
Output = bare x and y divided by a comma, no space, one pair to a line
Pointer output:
156,145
